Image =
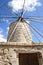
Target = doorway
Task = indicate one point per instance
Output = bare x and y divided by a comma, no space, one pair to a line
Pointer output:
28,59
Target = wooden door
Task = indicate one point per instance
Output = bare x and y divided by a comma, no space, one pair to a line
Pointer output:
28,59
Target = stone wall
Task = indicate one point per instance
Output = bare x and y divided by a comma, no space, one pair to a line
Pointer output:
9,53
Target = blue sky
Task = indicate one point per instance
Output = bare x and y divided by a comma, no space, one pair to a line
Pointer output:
32,8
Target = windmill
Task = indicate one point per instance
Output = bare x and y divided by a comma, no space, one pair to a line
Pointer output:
37,19
20,48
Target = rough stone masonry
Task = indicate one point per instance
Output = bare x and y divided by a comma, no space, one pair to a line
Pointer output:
19,41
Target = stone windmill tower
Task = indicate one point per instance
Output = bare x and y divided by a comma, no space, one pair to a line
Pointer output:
19,31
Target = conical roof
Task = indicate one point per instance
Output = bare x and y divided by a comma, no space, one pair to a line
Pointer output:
19,31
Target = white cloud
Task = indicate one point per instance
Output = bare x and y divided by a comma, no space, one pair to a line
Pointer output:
7,30
27,21
30,5
1,30
2,39
5,20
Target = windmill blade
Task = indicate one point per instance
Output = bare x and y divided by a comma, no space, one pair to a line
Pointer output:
32,31
35,30
38,19
1,6
8,17
23,9
35,20
10,12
